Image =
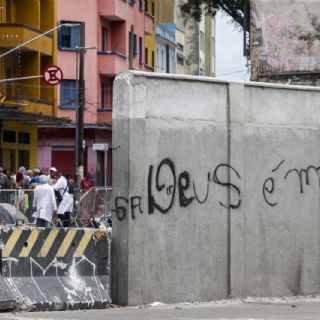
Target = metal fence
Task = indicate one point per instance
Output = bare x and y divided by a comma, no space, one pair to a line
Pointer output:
92,210
95,207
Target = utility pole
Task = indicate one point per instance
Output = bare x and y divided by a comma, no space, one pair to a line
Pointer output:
79,112
80,104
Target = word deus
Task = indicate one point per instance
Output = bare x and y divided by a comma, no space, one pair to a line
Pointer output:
164,186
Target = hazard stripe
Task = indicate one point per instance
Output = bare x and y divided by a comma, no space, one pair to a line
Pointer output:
48,243
83,244
12,241
30,243
66,243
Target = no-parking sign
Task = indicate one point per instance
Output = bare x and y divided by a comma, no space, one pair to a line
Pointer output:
52,75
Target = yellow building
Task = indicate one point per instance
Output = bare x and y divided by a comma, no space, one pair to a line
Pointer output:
164,11
25,104
150,40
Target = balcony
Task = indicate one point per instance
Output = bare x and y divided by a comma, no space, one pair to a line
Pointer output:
114,10
13,34
112,62
148,24
28,104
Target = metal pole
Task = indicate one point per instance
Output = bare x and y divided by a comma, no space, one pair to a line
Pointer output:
105,164
77,120
21,78
79,113
80,117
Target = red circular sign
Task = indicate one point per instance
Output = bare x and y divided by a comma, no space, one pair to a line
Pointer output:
52,75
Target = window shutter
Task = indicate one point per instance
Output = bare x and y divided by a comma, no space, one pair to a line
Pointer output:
60,38
134,44
140,50
75,36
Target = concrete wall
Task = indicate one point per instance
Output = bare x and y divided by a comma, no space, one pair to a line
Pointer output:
215,189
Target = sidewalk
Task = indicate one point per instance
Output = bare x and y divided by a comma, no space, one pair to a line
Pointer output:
301,308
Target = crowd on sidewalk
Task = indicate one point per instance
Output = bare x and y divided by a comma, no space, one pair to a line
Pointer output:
42,197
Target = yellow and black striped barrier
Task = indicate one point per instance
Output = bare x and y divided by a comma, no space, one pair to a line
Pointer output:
67,267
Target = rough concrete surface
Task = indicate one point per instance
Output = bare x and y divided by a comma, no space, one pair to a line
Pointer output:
215,189
223,310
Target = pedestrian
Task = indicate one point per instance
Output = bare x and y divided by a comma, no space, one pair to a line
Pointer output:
18,181
5,180
44,203
52,176
36,178
66,205
85,183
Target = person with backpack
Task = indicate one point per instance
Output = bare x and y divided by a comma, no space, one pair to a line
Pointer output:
64,191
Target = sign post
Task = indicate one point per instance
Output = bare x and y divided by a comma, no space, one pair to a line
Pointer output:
52,75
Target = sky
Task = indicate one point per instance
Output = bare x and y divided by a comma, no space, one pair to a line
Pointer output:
230,63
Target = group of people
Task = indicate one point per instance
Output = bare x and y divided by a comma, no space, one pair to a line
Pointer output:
52,195
22,179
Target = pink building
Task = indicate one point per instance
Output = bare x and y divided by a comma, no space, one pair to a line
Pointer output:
107,25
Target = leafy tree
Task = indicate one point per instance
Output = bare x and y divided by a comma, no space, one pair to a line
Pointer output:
234,8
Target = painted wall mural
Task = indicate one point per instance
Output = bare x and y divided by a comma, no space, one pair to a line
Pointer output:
288,33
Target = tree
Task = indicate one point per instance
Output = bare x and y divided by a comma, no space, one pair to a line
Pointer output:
234,8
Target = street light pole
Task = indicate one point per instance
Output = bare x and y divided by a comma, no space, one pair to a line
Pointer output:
79,114
80,103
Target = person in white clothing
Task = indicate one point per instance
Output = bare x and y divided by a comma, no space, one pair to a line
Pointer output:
52,176
66,205
44,203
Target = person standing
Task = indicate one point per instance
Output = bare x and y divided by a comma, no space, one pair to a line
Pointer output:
44,203
52,176
66,205
35,180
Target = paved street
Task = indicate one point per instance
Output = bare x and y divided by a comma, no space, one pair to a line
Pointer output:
293,310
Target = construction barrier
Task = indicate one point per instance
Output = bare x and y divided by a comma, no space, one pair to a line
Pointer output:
54,268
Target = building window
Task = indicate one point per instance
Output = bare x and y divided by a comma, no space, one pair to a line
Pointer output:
131,2
180,60
202,41
104,39
167,59
146,58
152,11
140,50
180,47
152,58
68,94
69,37
23,158
162,59
158,58
103,95
140,5
146,7
24,137
9,136
134,44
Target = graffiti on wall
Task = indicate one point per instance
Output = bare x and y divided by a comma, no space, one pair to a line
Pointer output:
290,39
300,177
167,186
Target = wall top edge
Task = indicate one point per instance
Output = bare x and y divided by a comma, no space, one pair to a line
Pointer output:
215,80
